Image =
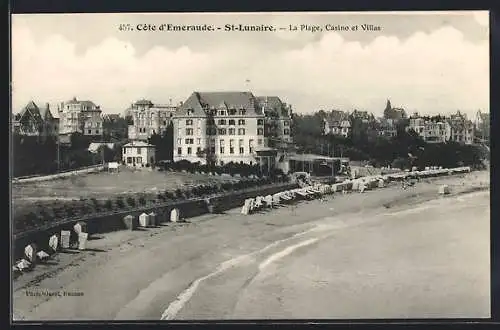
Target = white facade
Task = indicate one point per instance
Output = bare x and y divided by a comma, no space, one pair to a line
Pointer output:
429,130
224,127
337,123
454,128
233,138
341,128
138,154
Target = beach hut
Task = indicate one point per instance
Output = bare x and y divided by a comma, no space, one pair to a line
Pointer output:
129,222
246,206
23,265
259,202
82,241
30,252
80,227
153,220
444,189
175,215
65,239
143,220
53,243
268,200
42,255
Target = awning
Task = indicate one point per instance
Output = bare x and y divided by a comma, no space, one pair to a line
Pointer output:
314,158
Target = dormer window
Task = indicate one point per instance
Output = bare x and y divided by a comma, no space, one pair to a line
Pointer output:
242,112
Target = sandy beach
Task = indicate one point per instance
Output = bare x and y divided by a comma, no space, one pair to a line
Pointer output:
221,266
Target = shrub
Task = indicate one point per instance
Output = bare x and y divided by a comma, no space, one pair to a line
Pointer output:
160,197
108,205
142,200
95,202
59,212
30,220
70,209
120,203
178,193
131,201
401,163
169,195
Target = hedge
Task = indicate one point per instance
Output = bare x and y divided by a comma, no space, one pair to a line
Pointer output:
43,214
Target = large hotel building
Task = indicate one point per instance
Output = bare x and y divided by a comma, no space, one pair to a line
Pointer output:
223,127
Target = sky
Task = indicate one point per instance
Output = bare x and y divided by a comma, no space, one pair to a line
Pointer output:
426,62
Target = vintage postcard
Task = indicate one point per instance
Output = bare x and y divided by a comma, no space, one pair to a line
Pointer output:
250,166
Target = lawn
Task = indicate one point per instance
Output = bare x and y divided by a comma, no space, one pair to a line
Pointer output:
105,185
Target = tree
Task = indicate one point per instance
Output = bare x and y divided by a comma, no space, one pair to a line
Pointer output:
164,143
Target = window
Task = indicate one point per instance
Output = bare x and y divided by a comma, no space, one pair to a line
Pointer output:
139,160
222,113
231,122
242,150
231,146
179,131
241,131
189,122
198,150
241,121
286,131
212,141
96,131
198,141
221,142
89,131
189,150
179,141
259,142
260,131
250,146
242,112
164,123
232,131
189,131
212,150
179,151
260,121
189,141
198,131
286,123
221,150
222,122
222,131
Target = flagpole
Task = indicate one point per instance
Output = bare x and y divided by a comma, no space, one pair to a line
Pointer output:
247,83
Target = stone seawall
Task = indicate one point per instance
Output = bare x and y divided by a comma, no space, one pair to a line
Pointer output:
113,221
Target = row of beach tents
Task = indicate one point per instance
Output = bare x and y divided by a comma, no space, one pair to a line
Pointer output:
361,185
